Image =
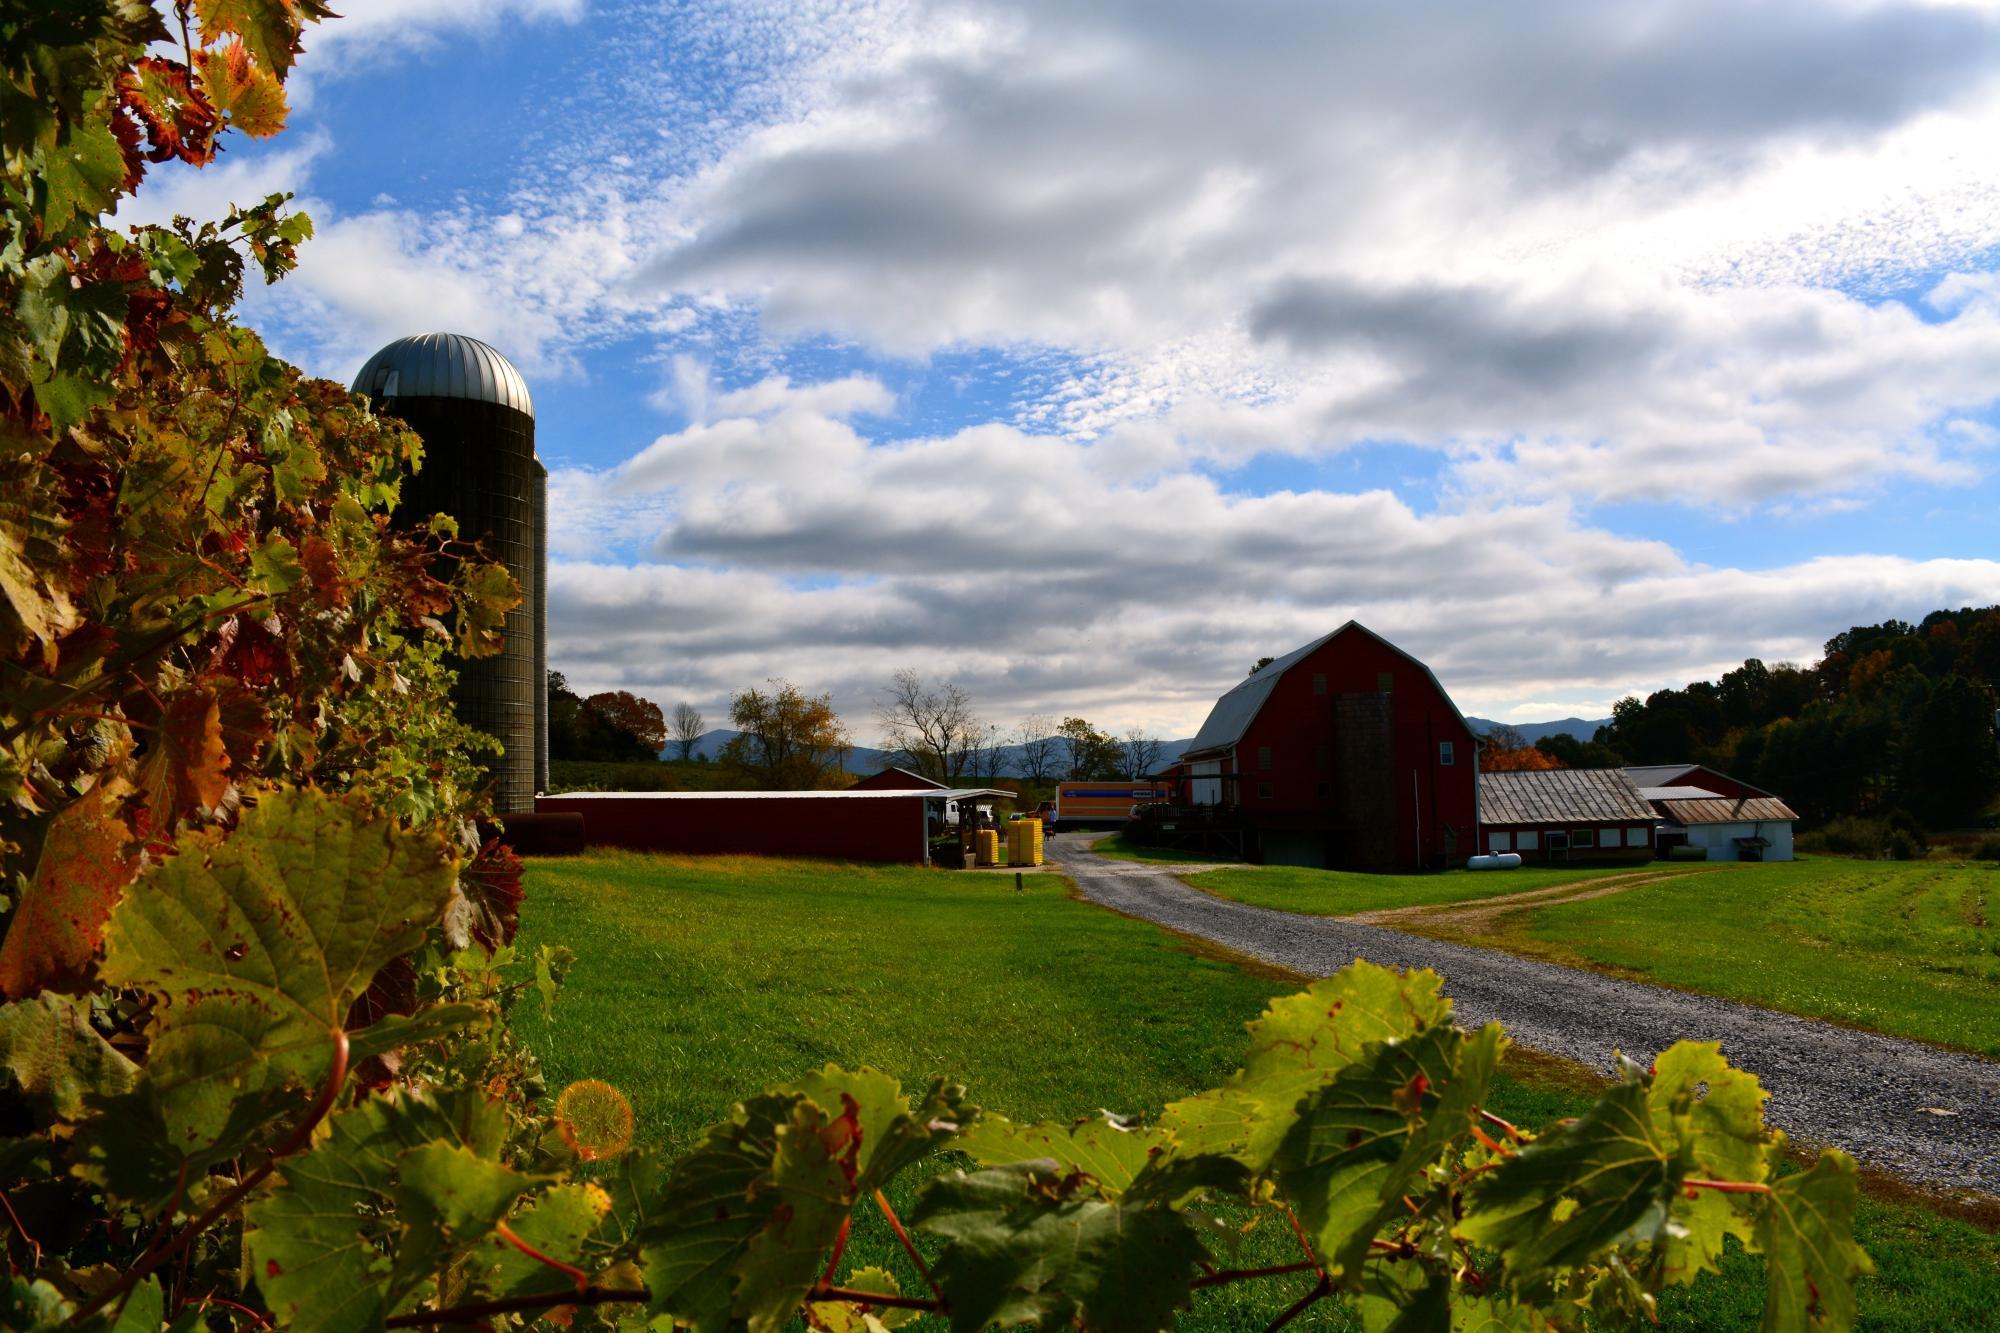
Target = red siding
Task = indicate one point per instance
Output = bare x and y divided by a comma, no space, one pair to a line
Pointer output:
868,829
1720,783
1429,817
896,779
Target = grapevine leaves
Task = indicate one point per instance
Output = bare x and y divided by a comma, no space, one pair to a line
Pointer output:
741,1228
83,868
1806,1232
56,1057
257,944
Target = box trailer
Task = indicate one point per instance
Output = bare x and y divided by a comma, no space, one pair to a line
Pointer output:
1103,802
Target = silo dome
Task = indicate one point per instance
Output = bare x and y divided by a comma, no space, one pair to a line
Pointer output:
444,365
478,426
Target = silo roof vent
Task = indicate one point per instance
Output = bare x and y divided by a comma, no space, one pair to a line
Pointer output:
444,365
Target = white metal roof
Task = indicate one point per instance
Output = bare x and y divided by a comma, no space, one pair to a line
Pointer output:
890,794
1676,793
1234,711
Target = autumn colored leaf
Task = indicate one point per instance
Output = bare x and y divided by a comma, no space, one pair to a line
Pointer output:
269,28
160,95
83,869
486,906
248,94
186,765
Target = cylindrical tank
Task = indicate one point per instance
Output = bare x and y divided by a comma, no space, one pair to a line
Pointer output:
541,628
478,426
1497,861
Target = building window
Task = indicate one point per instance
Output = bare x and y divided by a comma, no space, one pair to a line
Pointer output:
1326,791
1638,837
1263,791
1610,837
1447,756
1263,759
1384,682
1583,837
1500,842
1319,682
1322,757
1525,842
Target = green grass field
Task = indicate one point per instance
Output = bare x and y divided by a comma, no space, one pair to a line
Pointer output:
1118,849
701,980
1345,892
1908,948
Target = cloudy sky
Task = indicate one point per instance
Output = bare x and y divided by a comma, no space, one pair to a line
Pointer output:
1085,352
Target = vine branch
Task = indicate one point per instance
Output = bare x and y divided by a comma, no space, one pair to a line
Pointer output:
467,1314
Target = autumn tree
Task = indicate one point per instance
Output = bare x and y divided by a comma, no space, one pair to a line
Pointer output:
636,717
579,730
1088,752
1504,750
688,729
787,740
930,727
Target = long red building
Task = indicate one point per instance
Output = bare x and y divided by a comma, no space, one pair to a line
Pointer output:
1345,753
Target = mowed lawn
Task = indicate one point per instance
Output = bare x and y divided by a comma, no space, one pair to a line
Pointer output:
700,980
1346,892
1908,948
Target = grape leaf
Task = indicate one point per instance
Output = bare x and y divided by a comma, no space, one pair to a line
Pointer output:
1605,1179
56,1057
249,94
82,176
841,1317
558,1223
448,1197
1345,1158
260,942
1109,1152
1298,1044
1717,1112
186,765
893,1134
1025,1245
811,1177
317,1245
83,868
704,1218
1806,1232
268,28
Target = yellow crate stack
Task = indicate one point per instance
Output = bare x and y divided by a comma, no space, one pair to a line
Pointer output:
1024,842
986,847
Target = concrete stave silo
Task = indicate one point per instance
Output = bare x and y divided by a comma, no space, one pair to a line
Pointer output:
477,421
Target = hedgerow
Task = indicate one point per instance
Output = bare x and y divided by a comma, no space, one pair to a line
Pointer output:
258,963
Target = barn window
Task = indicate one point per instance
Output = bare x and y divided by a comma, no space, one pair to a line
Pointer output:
1384,682
1319,682
1638,837
1501,842
1583,837
1325,791
1446,755
1263,791
1322,757
1610,837
1263,759
1525,842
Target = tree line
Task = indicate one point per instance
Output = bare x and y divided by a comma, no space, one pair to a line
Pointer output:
1893,717
789,739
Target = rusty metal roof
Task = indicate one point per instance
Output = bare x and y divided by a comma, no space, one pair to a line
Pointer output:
1725,810
1560,796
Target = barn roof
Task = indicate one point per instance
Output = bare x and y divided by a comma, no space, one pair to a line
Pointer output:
1677,793
1234,711
1724,810
847,794
1559,796
896,779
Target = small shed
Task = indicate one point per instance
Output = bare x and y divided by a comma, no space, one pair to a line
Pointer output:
890,825
1565,814
1752,828
1710,780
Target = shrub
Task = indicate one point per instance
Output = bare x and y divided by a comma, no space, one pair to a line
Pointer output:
1988,848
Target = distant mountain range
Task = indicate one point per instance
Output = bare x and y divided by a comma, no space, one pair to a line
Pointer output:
1581,728
864,760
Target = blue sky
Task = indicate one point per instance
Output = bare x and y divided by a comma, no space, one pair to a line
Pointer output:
1085,352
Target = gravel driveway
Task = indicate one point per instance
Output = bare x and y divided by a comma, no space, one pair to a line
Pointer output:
1877,1097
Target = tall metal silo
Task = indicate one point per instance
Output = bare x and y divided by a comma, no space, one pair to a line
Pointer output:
477,421
541,628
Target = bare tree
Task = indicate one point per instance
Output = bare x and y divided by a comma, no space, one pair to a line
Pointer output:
687,728
1142,752
1040,749
982,762
929,728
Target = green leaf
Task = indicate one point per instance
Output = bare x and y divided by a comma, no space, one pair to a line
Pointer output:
1110,1152
893,1134
811,1177
1604,1180
1404,1296
1028,1246
275,567
394,1031
1806,1231
702,1223
1298,1045
448,1198
260,942
57,1058
1344,1163
318,1245
841,1317
68,399
268,28
1717,1113
558,1224
84,176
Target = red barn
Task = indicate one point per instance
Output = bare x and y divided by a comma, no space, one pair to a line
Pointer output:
1346,754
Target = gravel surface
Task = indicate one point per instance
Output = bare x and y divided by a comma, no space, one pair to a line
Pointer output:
1878,1097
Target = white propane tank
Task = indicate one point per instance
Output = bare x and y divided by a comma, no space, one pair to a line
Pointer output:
1497,861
